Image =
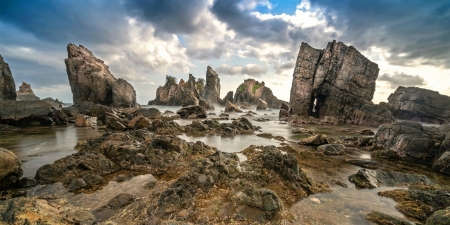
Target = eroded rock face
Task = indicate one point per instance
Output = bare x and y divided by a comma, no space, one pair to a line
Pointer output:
25,93
337,81
412,142
420,105
30,113
90,80
251,91
183,93
7,85
212,87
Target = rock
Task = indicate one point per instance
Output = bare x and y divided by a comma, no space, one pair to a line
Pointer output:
230,107
412,142
10,169
150,113
197,111
168,112
25,93
228,97
205,105
420,105
115,123
332,149
262,105
251,91
54,102
299,120
7,85
284,106
95,110
181,94
123,94
440,217
366,178
338,82
365,163
139,122
382,219
283,113
85,121
30,113
302,131
319,139
26,182
43,211
367,132
76,184
121,200
355,141
71,111
224,115
212,87
90,80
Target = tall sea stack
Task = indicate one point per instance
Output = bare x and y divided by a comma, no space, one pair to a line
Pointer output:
212,87
7,85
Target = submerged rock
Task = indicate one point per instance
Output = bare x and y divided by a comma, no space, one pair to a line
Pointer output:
25,93
366,178
339,82
10,169
7,85
365,163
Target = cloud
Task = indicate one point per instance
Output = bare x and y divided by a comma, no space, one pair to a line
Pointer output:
249,69
402,79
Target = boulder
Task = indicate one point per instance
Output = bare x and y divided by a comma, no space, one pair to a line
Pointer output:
283,113
284,106
262,105
90,80
10,169
25,93
440,217
115,123
251,91
230,107
319,139
337,81
212,87
121,200
420,105
7,85
70,111
365,163
85,121
139,122
30,113
366,178
332,149
193,110
54,102
205,105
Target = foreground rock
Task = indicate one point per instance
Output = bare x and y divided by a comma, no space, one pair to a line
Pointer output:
30,113
420,105
412,142
251,91
192,112
25,93
7,85
10,169
339,82
366,178
90,80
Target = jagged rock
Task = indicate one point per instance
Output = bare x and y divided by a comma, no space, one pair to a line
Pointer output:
115,123
412,142
366,178
337,81
25,93
365,163
420,105
205,105
10,169
193,110
70,111
95,110
228,97
251,91
230,107
139,122
54,102
284,106
90,80
7,85
332,149
212,87
441,217
319,139
181,94
262,105
30,113
76,184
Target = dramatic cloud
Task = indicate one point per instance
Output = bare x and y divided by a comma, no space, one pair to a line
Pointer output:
402,79
249,69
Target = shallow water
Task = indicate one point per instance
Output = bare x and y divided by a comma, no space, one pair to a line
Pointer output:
42,145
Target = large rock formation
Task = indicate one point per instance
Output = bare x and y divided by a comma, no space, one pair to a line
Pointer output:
212,87
7,85
90,80
251,91
183,93
418,104
412,142
30,113
25,93
337,81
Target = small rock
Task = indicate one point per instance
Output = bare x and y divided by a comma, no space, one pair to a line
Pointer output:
121,200
26,182
76,184
365,163
319,139
367,132
332,149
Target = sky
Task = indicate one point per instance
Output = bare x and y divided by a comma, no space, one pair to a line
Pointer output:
142,41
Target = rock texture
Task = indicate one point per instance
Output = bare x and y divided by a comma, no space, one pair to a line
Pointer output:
366,178
10,168
251,91
90,80
420,105
212,87
25,93
30,113
412,142
337,81
7,85
228,97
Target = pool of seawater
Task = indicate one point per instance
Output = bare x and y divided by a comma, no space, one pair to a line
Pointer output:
37,146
